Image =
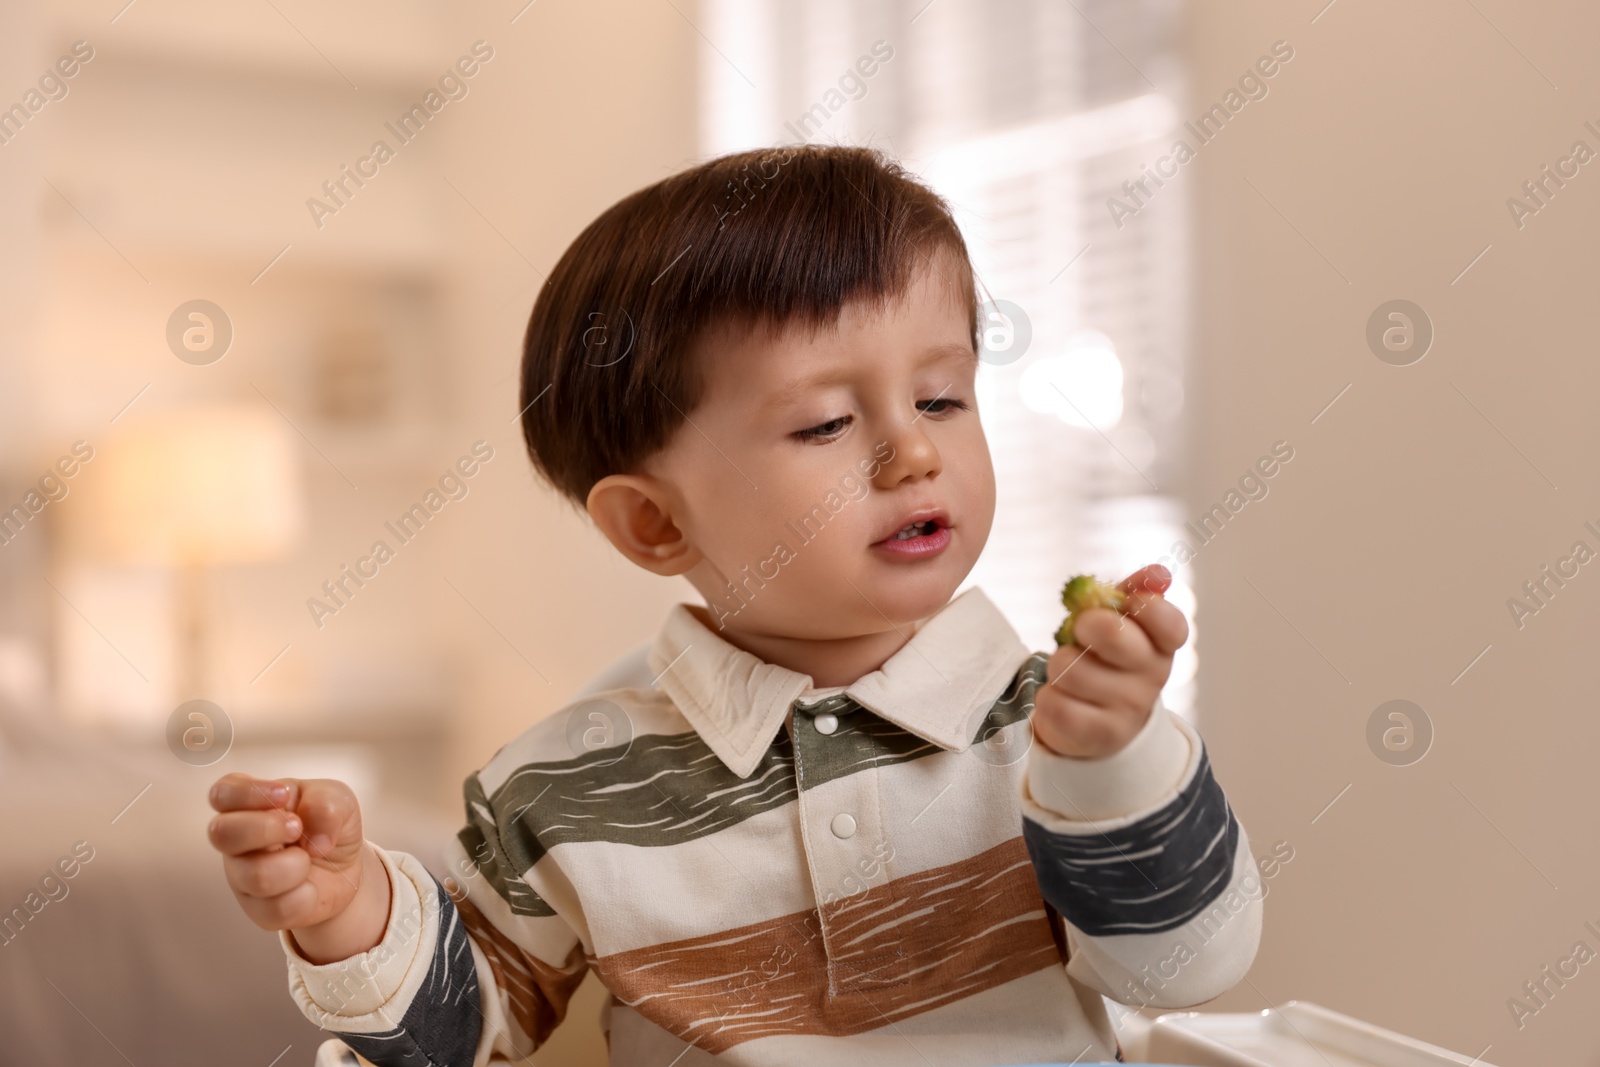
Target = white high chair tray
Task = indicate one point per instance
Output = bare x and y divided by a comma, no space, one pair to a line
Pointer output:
1296,1034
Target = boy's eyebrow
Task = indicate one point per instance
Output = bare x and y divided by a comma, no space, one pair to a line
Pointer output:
938,353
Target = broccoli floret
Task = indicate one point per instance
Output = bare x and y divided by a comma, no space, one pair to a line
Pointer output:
1081,593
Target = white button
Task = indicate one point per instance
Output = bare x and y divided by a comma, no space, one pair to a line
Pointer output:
826,723
844,825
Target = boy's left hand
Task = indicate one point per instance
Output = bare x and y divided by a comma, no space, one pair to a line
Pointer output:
1100,692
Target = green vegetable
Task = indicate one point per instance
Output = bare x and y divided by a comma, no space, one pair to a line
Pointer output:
1081,593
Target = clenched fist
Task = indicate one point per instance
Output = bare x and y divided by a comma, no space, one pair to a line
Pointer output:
294,855
1100,691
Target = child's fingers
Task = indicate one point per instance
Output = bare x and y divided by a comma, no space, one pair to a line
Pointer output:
327,809
286,911
235,833
1164,624
238,791
1091,681
1071,727
330,812
1113,638
1153,577
267,874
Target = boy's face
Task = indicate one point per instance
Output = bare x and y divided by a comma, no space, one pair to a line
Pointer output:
807,453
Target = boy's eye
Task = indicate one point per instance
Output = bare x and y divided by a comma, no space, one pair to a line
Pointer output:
831,428
951,404
834,427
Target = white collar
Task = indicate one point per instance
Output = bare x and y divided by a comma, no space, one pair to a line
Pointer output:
938,686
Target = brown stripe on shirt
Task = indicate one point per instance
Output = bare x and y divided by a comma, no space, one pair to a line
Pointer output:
892,951
536,993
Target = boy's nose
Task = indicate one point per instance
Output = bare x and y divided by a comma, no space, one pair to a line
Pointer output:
915,456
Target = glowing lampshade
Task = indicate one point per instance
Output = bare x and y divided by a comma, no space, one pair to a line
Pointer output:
198,487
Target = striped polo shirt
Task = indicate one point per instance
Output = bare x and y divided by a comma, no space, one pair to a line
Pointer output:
763,872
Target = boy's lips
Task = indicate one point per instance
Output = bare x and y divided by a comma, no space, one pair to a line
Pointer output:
935,515
918,547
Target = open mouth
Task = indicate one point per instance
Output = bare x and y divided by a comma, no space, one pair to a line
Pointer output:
917,540
915,529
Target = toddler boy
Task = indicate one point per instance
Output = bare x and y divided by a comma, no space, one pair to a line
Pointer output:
847,819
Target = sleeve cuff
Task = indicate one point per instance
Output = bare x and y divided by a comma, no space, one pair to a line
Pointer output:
360,984
1148,770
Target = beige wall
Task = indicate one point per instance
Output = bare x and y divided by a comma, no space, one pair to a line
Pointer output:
1423,898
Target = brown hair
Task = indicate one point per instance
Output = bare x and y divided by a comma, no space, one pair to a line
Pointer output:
776,236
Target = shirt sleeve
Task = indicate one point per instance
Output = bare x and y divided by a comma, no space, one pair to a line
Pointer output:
1140,854
468,971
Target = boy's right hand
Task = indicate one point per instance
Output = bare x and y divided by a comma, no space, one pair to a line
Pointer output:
292,848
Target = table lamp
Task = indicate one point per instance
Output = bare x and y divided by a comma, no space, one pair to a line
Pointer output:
192,489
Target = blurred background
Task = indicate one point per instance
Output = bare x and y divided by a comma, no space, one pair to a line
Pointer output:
1338,347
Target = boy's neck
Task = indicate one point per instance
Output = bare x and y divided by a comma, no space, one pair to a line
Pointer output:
839,661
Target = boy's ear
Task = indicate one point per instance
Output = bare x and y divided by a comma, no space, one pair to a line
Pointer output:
635,513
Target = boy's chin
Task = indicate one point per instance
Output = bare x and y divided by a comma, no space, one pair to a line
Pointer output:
868,608
902,597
